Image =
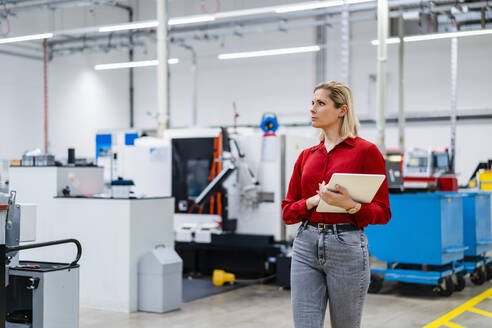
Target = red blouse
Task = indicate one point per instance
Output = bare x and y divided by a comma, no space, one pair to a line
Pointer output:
315,164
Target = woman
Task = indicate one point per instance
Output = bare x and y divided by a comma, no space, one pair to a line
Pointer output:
330,259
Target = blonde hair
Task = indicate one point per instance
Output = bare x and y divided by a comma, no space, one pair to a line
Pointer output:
342,95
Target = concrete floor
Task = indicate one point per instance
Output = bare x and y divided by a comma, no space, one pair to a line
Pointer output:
268,306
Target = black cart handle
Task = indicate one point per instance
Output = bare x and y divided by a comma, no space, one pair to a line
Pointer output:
49,243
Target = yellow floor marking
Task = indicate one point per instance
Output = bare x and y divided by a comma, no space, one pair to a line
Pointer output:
459,310
452,325
482,312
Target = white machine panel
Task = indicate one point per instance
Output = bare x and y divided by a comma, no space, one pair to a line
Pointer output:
148,165
186,231
81,180
204,232
27,222
266,218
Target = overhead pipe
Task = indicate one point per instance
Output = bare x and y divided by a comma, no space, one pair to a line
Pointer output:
437,5
269,18
19,54
96,47
205,36
194,104
131,56
22,6
96,37
275,17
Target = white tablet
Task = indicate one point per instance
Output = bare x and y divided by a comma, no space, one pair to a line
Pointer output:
361,188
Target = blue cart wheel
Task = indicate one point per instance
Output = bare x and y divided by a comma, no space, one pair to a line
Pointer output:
376,284
446,287
479,276
459,282
488,268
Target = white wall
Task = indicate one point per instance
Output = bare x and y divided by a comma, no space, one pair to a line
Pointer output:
82,100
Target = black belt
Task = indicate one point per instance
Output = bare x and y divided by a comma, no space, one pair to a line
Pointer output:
338,227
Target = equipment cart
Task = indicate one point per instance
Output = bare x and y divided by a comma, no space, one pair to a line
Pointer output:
477,236
422,243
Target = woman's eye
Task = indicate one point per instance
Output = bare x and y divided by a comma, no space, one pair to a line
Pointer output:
312,103
321,103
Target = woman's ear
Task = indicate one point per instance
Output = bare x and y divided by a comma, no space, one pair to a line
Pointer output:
343,111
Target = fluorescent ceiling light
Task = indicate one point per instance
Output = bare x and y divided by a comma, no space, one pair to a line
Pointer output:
190,20
353,2
129,26
134,64
27,38
388,41
316,5
244,12
272,52
309,6
435,36
155,23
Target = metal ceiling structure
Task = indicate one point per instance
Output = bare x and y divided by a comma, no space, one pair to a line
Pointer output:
18,6
444,13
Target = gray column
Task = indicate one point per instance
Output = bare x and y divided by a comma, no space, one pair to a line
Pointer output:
321,57
454,76
162,68
345,45
381,79
401,93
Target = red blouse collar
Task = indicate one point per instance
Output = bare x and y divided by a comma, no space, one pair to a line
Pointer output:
348,141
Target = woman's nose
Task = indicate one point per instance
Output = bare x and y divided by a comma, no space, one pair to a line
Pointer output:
312,110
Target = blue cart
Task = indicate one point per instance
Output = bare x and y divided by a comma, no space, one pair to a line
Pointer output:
477,236
422,243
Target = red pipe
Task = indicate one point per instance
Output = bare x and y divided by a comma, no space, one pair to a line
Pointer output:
45,78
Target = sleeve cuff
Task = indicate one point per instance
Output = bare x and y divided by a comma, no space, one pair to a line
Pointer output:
304,210
362,217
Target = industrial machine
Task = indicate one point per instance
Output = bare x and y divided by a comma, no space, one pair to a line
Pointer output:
428,170
184,161
227,187
106,156
237,182
394,174
128,156
34,294
482,176
211,177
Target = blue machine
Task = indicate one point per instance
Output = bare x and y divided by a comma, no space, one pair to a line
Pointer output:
477,235
422,243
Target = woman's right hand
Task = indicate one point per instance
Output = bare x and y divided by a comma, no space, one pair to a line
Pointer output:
312,202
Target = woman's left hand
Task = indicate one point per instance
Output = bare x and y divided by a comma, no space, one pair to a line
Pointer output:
341,198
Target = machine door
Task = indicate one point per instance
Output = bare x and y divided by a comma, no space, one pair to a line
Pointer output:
192,162
19,299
